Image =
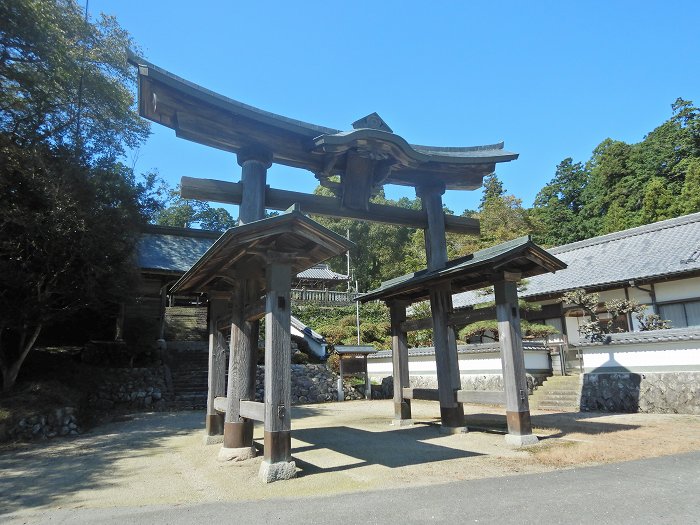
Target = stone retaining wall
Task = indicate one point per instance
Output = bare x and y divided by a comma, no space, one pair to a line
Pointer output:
56,422
131,388
488,382
660,393
310,384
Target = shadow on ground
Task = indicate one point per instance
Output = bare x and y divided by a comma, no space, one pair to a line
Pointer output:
31,475
391,449
564,422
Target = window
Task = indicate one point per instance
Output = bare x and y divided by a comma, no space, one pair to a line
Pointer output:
681,315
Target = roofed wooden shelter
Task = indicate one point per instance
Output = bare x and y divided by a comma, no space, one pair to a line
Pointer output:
502,266
247,275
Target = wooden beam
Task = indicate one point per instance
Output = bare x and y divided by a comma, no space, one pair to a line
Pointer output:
253,410
479,397
482,397
231,193
254,311
426,394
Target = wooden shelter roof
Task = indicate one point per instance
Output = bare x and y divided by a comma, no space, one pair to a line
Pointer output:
200,115
243,252
471,272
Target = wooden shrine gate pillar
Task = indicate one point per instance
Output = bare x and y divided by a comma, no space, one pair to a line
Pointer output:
238,431
444,340
399,362
513,361
218,307
278,463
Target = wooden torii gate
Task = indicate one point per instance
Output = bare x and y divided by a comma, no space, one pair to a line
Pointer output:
363,160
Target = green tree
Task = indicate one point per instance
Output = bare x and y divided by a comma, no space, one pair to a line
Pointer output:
173,210
659,202
69,211
65,81
690,194
67,233
382,251
502,217
558,205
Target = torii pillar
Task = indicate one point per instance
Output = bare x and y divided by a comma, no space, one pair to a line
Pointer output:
446,362
238,431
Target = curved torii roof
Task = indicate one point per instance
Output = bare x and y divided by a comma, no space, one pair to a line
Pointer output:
200,115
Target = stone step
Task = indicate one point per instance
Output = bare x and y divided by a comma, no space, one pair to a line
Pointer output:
559,392
558,408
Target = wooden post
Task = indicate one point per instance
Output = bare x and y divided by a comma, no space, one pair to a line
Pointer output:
513,361
218,304
278,462
254,166
399,363
446,361
451,412
238,431
435,240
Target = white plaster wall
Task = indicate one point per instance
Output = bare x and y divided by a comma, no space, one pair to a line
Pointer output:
639,295
659,357
572,324
483,363
677,290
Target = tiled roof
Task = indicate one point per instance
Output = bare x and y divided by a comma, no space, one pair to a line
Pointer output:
473,271
663,249
653,336
177,249
321,272
172,249
481,348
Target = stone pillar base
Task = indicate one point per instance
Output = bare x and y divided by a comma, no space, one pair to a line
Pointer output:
453,430
402,422
213,440
236,454
281,470
516,440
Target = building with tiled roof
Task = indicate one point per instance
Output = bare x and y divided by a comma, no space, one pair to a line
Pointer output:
165,253
657,264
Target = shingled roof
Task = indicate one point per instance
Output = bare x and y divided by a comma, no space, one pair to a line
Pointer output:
663,250
470,272
174,250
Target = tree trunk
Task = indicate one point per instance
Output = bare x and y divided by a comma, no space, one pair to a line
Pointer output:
11,370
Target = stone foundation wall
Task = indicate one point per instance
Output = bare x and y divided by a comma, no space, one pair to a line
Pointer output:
131,388
488,382
310,384
57,422
658,392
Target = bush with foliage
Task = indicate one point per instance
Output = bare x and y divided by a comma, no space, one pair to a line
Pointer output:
595,328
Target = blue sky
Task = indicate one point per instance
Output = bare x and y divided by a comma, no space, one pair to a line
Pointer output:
550,79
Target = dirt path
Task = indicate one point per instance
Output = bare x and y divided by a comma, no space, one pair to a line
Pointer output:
159,459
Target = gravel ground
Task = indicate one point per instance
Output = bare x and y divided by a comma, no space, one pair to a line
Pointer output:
160,459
